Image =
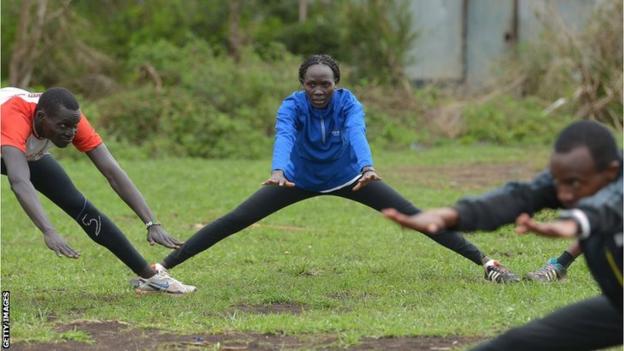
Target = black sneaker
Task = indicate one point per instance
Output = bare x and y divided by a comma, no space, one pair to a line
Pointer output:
551,272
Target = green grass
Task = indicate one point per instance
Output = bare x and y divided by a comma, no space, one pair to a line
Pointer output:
354,273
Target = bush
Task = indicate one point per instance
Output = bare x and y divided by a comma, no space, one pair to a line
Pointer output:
583,68
507,120
198,103
379,36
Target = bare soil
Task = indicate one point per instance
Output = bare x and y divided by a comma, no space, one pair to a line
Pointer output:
468,176
119,336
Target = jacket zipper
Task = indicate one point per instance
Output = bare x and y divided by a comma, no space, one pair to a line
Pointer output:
323,130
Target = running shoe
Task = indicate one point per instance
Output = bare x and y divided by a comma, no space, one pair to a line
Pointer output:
552,271
161,282
497,273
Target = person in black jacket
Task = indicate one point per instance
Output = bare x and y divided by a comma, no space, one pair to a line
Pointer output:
585,179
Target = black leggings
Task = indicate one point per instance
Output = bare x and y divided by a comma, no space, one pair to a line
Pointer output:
49,178
587,325
270,199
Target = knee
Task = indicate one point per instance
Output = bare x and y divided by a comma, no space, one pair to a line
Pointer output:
71,203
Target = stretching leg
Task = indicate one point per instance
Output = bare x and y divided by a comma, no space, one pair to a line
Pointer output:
264,202
379,196
49,178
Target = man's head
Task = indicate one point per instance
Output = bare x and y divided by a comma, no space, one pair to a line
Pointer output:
319,75
585,159
57,116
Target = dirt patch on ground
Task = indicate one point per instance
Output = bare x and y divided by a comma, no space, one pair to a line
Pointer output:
118,336
430,343
467,176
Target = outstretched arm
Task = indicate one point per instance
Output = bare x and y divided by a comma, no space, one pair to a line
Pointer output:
19,178
486,212
503,205
125,188
356,132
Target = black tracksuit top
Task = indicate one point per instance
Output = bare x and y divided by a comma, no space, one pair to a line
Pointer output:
599,216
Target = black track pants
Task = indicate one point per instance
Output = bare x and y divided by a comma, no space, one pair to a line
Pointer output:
587,325
270,199
49,178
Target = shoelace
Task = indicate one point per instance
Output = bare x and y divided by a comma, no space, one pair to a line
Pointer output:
549,271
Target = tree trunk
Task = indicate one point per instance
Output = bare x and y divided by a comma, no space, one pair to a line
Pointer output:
234,37
303,10
27,42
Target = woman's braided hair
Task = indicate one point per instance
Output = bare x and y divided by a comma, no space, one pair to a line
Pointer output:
319,59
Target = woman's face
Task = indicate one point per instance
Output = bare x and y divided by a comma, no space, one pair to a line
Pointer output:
318,83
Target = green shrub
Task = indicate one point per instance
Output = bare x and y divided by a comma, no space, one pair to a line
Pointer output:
198,103
584,68
507,120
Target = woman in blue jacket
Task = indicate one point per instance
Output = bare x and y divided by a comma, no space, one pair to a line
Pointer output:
321,149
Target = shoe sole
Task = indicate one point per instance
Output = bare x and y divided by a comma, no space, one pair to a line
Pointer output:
545,281
145,292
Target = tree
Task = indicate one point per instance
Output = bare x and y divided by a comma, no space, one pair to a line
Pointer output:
31,39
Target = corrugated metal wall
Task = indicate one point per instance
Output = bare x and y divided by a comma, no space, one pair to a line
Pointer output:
460,39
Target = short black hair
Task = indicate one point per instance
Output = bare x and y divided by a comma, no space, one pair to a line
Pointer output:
52,100
593,135
320,59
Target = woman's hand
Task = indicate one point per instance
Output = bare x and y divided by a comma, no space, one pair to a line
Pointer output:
368,176
277,178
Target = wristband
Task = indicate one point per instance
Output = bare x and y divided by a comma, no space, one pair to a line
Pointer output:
367,169
150,224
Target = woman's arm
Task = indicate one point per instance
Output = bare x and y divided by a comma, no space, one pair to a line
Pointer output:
356,132
285,133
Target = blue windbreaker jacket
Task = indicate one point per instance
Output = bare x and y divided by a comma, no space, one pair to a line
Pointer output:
320,149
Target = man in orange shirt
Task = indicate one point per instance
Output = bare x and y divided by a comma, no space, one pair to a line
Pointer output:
31,124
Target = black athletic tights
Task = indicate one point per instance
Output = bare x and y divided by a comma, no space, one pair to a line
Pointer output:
49,178
590,324
270,199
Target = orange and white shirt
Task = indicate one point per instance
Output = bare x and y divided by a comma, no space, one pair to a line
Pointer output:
17,118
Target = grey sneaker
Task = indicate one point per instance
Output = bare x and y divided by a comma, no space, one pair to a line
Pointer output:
497,273
161,282
552,271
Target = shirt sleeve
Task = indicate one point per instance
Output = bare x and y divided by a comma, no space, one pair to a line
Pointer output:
285,133
86,138
504,205
356,131
16,123
599,213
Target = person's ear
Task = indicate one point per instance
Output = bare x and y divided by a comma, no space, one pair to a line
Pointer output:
40,114
613,170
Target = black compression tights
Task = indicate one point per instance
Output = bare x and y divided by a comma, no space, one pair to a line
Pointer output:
590,324
49,178
270,199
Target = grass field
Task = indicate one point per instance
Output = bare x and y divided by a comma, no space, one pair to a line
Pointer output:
326,267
